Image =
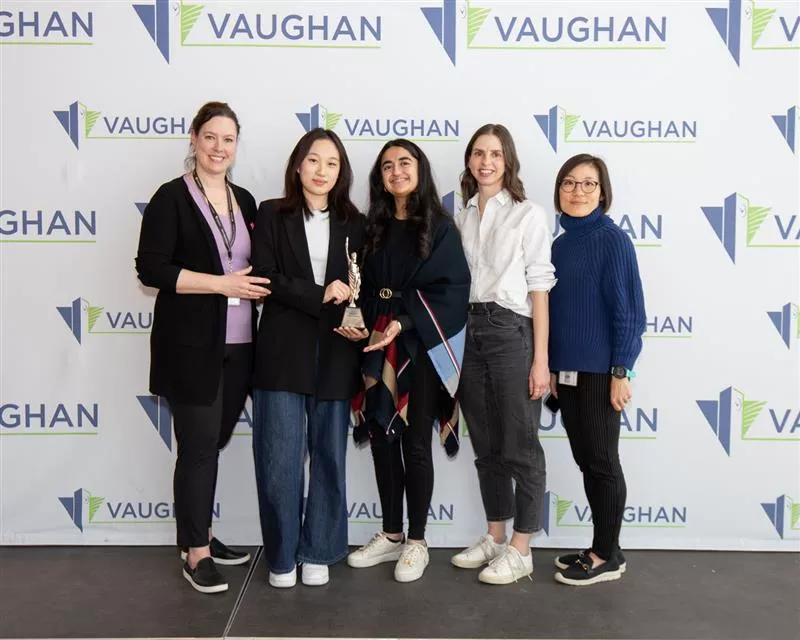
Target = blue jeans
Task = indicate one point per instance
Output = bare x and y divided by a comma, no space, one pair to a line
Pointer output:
285,426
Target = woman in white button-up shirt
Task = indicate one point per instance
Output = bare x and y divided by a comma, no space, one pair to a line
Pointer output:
505,374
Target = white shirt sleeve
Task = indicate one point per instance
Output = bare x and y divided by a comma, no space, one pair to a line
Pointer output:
536,241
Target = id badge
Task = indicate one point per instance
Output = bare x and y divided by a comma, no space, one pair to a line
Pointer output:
234,302
568,378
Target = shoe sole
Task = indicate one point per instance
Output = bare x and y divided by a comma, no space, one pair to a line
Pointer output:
608,576
372,562
316,583
560,565
411,578
228,563
218,588
282,585
504,579
467,564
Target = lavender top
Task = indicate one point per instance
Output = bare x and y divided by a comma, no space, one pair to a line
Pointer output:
239,327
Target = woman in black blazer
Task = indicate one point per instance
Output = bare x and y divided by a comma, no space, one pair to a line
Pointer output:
195,239
305,374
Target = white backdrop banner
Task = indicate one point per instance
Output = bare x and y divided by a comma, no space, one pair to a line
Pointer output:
694,106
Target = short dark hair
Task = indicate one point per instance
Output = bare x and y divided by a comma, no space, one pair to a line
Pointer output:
511,180
602,171
339,195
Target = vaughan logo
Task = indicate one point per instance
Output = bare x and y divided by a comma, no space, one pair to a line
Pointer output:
365,128
140,207
442,20
198,25
561,127
787,125
669,327
787,323
784,514
48,419
451,201
39,25
591,31
82,123
37,226
635,424
160,416
563,513
86,510
763,231
370,513
732,413
82,318
762,26
646,230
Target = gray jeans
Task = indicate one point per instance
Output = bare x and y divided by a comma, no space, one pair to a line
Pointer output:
502,420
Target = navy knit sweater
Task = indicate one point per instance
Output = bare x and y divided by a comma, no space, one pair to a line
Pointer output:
597,313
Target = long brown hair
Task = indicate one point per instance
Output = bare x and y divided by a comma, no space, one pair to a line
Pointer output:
511,180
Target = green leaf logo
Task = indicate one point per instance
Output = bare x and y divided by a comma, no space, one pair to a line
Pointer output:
93,315
561,509
750,411
755,217
189,15
475,19
570,121
95,502
89,119
761,18
332,119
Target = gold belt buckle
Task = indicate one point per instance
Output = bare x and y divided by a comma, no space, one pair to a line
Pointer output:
385,293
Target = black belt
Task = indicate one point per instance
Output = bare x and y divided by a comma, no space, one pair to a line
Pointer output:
484,307
385,293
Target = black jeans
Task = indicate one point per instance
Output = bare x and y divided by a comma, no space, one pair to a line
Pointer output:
593,426
406,464
201,432
502,419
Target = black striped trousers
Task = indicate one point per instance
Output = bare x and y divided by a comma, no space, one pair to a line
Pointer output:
593,426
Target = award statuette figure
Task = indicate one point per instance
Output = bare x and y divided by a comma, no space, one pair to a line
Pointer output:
352,314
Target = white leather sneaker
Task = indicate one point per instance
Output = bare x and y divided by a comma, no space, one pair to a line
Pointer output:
379,549
508,567
412,562
483,551
283,580
315,575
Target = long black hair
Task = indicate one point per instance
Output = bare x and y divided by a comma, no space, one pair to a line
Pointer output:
338,197
423,205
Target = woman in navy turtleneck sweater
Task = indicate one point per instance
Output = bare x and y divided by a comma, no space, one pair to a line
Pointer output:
597,319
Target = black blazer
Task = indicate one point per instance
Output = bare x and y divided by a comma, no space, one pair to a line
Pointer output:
187,343
296,348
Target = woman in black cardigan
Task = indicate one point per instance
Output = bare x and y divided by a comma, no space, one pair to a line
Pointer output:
305,374
195,239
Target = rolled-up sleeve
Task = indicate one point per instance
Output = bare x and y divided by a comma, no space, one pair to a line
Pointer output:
157,238
536,241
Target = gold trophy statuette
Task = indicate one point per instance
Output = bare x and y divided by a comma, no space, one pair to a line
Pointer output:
352,314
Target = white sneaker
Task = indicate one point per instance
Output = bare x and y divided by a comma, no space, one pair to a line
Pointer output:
315,575
508,567
283,580
379,549
483,551
412,562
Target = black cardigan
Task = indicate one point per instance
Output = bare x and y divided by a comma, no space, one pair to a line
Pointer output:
296,348
187,343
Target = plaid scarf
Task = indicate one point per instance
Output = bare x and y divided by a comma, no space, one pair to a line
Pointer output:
436,299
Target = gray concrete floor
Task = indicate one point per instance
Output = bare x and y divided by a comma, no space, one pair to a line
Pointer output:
116,592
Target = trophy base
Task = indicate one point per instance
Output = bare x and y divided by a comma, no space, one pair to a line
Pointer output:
353,318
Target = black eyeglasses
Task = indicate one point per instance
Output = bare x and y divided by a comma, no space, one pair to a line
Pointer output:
587,186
